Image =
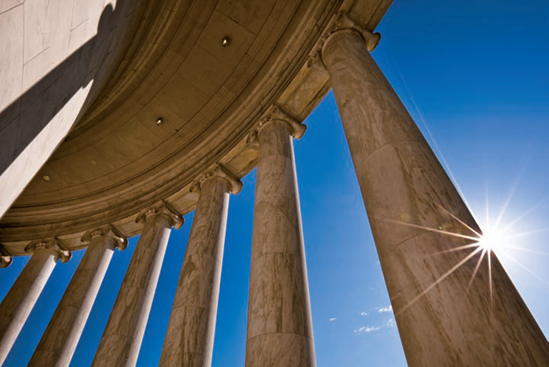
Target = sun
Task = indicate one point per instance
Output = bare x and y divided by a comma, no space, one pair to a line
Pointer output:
491,240
496,240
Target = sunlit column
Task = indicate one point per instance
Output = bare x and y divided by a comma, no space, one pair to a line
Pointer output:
21,298
444,317
61,337
190,336
124,332
279,317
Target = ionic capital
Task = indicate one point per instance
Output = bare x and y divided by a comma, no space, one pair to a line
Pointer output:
165,209
276,114
51,244
106,231
5,257
342,23
218,171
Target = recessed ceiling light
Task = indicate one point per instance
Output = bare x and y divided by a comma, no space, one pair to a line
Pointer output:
159,121
47,178
225,42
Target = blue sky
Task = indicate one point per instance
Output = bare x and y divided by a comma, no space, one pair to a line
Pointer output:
474,76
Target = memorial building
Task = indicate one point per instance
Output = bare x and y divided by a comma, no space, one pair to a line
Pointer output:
119,117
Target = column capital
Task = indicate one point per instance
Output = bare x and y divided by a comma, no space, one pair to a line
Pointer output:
274,114
5,257
342,23
218,171
162,208
51,244
106,231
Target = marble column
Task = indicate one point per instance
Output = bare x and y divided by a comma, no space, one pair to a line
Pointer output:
21,298
190,336
445,317
61,337
124,332
279,317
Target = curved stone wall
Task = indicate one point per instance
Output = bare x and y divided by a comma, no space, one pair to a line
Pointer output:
56,58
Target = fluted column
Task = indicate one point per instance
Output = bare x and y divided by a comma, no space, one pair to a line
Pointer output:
124,332
61,337
444,316
279,317
21,298
190,336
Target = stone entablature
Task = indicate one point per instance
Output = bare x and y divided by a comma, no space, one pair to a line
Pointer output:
288,83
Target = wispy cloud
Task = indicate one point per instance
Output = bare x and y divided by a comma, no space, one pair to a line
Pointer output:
363,314
366,329
333,319
385,309
391,323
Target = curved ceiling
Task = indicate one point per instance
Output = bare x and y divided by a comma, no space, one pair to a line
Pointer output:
118,160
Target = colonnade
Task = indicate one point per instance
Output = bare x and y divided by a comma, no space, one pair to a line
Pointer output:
443,319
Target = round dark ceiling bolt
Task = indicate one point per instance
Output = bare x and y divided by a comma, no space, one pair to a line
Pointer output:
225,42
159,121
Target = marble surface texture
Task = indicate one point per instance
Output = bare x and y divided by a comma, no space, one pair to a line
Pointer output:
21,298
191,330
124,332
56,58
61,337
279,320
441,320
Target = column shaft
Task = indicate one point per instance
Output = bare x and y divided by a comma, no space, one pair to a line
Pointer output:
190,336
60,339
21,298
442,320
124,332
279,319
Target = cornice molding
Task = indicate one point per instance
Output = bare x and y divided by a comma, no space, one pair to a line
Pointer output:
288,83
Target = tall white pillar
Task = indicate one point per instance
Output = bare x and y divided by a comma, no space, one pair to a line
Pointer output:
190,336
410,203
279,316
124,332
21,298
61,337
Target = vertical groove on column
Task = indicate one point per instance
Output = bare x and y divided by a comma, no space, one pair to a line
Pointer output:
61,337
121,340
279,321
190,336
21,298
407,195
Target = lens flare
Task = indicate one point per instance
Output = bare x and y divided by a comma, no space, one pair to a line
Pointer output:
496,240
491,240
